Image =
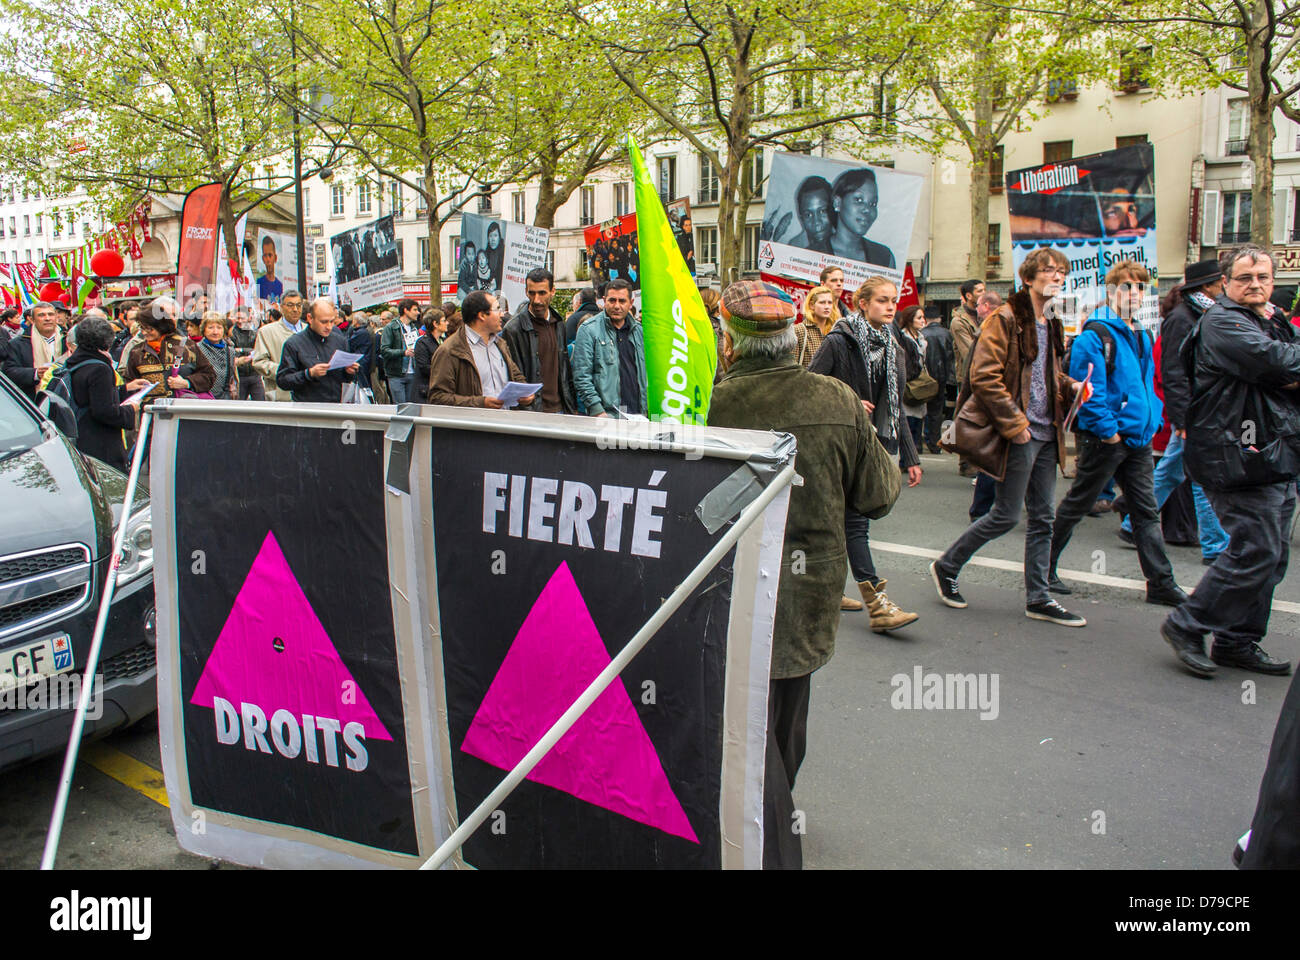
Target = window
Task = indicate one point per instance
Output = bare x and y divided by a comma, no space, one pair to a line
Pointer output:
27,224
588,198
1238,128
760,96
885,104
1058,151
802,90
85,228
582,260
58,224
709,182
363,196
395,199
401,260
38,223
1295,216
421,204
801,146
751,247
27,255
268,176
4,257
424,254
995,239
1235,225
336,200
667,167
706,245
996,174
1133,141
1062,88
72,227
517,207
13,226
40,254
484,199
2,228
754,172
455,251
621,206
1134,68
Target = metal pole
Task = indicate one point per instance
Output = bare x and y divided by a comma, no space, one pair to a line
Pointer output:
597,686
92,660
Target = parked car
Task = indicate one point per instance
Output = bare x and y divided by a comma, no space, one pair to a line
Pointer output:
58,511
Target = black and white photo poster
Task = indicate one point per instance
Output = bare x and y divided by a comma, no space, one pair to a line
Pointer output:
367,269
823,213
496,255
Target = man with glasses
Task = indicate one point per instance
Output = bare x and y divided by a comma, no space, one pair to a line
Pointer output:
1116,427
1243,448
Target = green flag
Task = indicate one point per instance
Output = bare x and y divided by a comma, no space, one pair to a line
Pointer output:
681,352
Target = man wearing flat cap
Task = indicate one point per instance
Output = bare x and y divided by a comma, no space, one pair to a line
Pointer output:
842,465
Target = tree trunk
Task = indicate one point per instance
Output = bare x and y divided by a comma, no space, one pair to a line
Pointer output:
977,263
433,237
228,224
728,236
1259,146
547,201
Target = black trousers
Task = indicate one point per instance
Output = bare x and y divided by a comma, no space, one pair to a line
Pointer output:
1235,596
934,416
981,501
787,742
1133,468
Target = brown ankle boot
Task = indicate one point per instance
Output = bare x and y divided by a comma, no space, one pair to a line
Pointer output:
885,614
848,603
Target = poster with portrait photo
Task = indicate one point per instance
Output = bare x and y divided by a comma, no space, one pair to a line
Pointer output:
367,270
679,219
496,255
613,251
823,213
1097,209
274,258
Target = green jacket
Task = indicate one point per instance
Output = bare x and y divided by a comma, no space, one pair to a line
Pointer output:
841,462
392,349
595,366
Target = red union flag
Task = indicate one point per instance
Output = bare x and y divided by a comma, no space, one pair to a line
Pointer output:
907,295
198,247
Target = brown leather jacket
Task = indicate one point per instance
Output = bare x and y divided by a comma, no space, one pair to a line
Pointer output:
453,376
1001,367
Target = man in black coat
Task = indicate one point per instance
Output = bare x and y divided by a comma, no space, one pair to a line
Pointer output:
304,362
539,344
30,354
942,365
1243,447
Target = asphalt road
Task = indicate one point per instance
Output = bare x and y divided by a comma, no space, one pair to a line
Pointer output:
1103,753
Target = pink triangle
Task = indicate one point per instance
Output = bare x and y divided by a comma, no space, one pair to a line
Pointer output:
606,758
307,676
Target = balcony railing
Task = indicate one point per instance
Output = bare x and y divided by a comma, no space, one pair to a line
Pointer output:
1227,239
1234,148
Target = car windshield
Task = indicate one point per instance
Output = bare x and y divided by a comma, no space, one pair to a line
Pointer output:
19,430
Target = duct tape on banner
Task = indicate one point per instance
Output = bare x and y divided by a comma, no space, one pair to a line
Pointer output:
401,431
724,502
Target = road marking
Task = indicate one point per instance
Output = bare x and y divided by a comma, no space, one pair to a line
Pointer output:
1084,576
140,777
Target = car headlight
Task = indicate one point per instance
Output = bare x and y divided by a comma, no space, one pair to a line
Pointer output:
136,558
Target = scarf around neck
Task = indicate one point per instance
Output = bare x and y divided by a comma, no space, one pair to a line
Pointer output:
877,346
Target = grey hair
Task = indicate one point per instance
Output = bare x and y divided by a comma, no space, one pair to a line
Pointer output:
1247,251
763,348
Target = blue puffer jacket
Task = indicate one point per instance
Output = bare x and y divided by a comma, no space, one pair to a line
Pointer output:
1125,403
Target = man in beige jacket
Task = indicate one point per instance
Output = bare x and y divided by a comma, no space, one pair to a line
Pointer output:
270,343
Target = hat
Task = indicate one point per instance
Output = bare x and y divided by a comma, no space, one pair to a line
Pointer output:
1199,274
757,309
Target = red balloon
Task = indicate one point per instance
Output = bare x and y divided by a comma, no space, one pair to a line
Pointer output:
51,292
65,299
108,263
132,292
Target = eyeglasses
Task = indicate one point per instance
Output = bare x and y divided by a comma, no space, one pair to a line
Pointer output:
1054,271
1263,279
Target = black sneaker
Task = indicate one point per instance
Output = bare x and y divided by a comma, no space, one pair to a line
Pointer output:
1053,612
1208,561
1170,596
947,587
1189,649
1056,585
1127,537
1250,658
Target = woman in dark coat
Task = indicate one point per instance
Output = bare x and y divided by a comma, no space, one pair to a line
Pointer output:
97,396
435,331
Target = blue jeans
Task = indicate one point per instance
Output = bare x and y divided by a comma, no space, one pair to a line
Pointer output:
1169,474
399,388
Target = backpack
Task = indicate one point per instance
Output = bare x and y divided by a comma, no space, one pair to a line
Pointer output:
1107,345
59,403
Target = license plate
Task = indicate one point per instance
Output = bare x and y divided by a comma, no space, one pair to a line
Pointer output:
34,661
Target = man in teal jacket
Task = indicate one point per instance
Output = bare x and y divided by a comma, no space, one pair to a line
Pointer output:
609,358
1115,428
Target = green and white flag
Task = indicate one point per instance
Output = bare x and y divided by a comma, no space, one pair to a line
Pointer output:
681,352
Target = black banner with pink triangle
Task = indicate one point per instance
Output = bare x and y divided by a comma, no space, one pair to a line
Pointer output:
290,695
551,554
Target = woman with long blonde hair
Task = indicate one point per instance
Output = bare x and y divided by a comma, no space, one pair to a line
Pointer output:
819,316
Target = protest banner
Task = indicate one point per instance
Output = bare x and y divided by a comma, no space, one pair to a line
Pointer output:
612,251
819,213
681,352
275,261
496,255
1097,210
679,218
199,235
366,266
356,705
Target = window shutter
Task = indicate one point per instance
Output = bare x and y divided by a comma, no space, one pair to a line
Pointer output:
1280,197
1210,219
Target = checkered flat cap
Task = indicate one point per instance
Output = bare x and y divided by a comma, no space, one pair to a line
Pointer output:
757,309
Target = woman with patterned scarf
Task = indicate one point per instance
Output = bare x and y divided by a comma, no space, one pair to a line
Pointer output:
861,351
